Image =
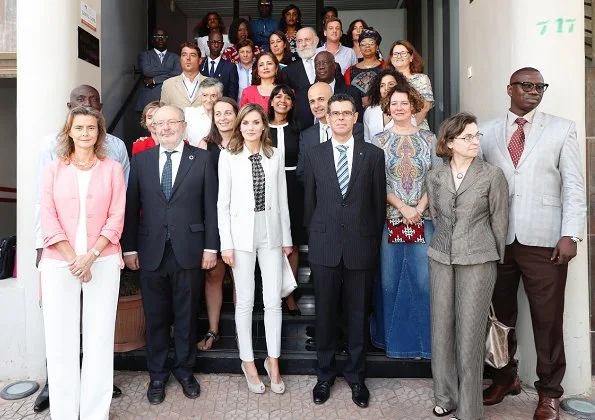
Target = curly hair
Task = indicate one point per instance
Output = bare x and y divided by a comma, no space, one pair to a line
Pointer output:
65,146
416,100
374,91
283,23
416,65
202,29
235,27
236,144
278,75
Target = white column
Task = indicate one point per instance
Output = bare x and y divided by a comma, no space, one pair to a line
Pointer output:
497,38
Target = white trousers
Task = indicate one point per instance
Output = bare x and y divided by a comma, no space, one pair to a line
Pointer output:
74,391
270,262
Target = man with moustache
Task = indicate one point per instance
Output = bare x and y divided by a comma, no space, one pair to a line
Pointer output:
182,90
344,211
546,221
214,66
156,65
171,242
300,75
87,96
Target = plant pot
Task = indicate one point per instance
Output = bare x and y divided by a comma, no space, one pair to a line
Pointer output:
130,324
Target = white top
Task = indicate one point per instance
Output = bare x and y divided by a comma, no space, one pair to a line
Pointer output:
344,56
374,122
336,153
310,71
281,142
199,124
160,54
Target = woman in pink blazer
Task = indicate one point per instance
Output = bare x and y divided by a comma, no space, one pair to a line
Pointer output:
82,216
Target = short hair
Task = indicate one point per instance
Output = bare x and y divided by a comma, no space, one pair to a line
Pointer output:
157,29
278,75
214,135
245,43
236,144
416,65
210,82
190,44
286,52
413,96
283,24
451,128
523,70
334,19
374,91
143,118
65,145
235,27
341,97
288,91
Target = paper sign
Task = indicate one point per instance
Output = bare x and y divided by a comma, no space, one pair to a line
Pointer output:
88,16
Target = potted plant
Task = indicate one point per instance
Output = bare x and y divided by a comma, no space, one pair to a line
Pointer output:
130,317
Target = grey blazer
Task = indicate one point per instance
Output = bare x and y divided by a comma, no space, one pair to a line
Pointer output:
547,192
469,223
149,65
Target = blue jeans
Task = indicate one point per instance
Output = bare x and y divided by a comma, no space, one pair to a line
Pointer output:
400,322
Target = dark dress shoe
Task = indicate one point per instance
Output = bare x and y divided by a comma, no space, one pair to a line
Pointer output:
547,409
156,392
360,394
42,402
495,393
190,387
321,392
117,392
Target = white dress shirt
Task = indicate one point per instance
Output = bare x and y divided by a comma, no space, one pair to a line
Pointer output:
310,71
160,54
191,87
198,124
245,79
374,122
325,132
332,85
208,60
349,143
511,125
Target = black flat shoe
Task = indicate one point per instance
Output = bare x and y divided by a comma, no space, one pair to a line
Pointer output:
117,392
360,394
321,392
156,392
42,402
190,387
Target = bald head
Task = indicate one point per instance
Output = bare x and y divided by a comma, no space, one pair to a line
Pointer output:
318,96
325,67
85,95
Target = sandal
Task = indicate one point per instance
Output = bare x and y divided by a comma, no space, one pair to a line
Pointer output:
441,412
202,344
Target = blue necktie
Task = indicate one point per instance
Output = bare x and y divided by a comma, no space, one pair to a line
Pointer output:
212,72
343,169
166,176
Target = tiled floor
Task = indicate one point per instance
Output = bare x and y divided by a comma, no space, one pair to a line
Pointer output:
227,397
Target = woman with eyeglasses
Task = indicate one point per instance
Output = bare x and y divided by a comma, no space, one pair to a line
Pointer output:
362,74
401,319
405,59
468,201
266,74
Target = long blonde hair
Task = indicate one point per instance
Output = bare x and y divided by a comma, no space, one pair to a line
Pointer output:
65,146
236,144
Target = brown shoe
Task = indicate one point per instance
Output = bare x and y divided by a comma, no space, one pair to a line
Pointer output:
495,393
547,409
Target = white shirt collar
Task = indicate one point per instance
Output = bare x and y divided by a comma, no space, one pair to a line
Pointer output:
349,143
179,148
216,60
528,116
332,85
187,80
160,52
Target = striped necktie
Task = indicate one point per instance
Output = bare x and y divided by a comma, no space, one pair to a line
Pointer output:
343,169
517,141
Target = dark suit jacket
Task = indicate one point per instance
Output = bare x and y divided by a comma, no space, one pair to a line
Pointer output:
347,228
149,65
311,137
295,76
190,214
227,73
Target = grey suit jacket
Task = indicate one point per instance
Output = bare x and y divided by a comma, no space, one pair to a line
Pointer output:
547,192
174,92
470,223
149,65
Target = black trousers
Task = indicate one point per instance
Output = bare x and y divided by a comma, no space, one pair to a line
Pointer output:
331,284
171,293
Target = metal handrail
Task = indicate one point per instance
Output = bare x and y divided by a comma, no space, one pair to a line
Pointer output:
124,106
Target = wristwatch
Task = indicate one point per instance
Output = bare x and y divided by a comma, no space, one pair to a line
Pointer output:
95,252
575,239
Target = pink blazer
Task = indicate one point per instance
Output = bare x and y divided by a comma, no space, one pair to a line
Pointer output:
106,202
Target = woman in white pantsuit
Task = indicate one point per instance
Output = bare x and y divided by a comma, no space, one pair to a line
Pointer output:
82,215
254,223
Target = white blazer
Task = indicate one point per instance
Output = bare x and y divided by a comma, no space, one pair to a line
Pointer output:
546,190
236,204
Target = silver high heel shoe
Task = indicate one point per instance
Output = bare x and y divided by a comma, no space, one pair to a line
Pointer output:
258,388
276,388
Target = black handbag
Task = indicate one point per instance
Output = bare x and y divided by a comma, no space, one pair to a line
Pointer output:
8,250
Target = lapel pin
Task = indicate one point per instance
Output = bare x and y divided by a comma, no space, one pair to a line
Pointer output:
361,153
191,157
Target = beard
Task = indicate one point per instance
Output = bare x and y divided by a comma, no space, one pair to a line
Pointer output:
306,52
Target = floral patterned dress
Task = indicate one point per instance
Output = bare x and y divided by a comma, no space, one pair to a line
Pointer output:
421,83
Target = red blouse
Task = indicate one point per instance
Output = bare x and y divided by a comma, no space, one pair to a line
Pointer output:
252,95
232,54
144,143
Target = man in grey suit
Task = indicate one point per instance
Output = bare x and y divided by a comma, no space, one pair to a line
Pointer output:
156,65
344,211
539,155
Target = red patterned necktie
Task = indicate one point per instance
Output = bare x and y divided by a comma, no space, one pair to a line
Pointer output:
517,141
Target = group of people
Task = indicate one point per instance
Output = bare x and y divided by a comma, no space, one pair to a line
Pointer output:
425,230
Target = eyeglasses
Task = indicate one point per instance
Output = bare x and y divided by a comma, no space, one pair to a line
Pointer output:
528,86
160,124
401,54
214,41
367,44
337,114
469,137
161,37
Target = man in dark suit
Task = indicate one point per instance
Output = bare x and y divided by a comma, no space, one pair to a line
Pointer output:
215,66
300,75
172,240
318,96
157,65
344,212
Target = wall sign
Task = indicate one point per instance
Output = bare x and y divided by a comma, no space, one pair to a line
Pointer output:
88,16
88,47
560,25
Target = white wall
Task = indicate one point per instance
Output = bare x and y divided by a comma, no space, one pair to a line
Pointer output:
390,23
8,161
497,38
